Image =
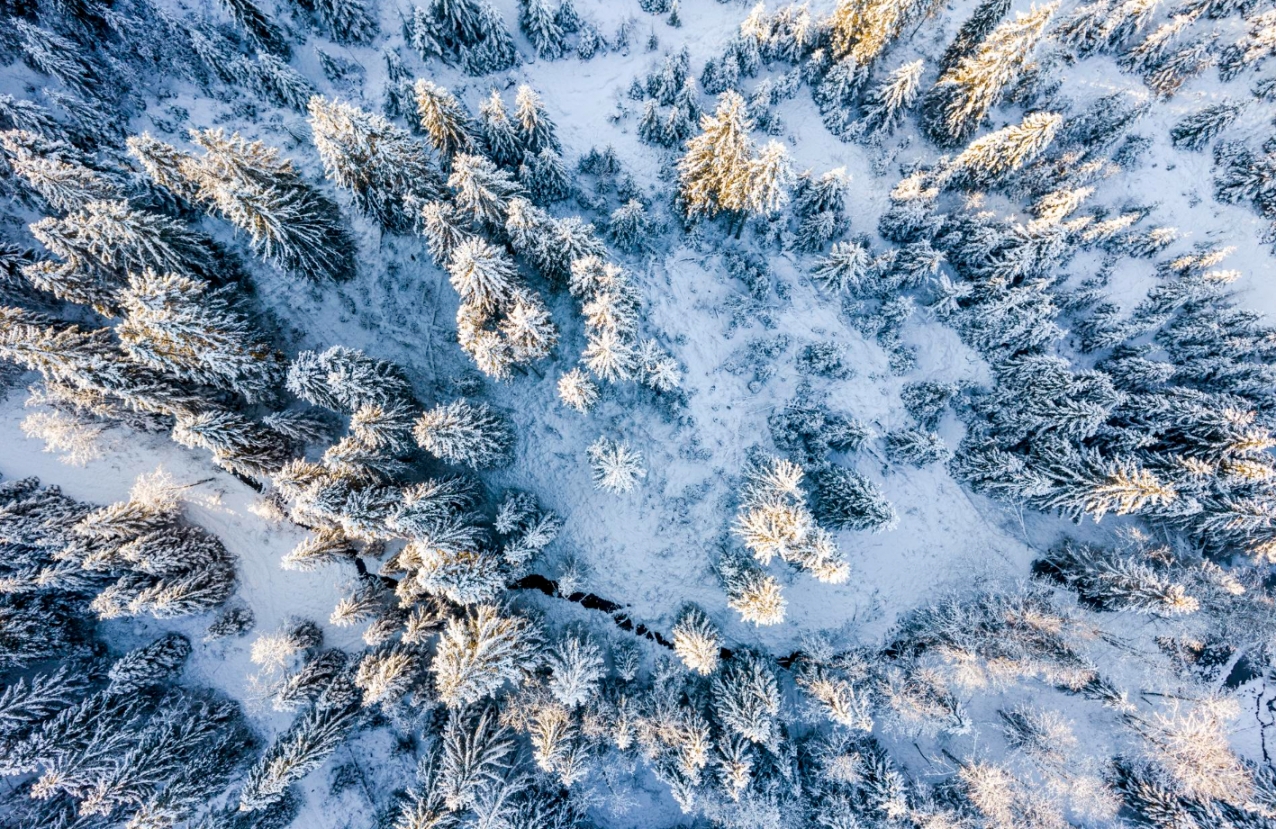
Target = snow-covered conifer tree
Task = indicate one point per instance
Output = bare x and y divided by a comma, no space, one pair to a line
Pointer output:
483,191
483,275
504,146
386,675
914,446
278,82
175,324
545,177
537,20
961,99
444,120
576,390
377,162
576,669
630,226
261,30
295,753
532,124
476,752
1198,129
973,32
848,500
150,664
752,593
1108,580
465,433
746,698
712,174
697,641
349,21
990,158
616,467
886,103
480,652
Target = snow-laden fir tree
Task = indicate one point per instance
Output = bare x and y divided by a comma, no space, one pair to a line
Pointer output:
480,652
113,235
990,158
483,275
261,30
288,221
819,203
545,177
848,500
532,123
541,25
630,226
465,433
55,171
385,676
751,592
311,739
278,82
444,229
1109,580
576,669
914,446
712,173
348,21
346,380
504,146
476,753
177,325
149,665
697,641
885,104
577,391
377,162
973,32
848,268
483,191
1198,129
444,120
55,55
616,467
774,520
746,698
963,96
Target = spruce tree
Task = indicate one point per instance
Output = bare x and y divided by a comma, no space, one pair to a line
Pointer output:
177,325
963,96
484,275
380,164
1201,127
532,124
295,753
480,652
885,104
465,433
504,146
537,20
482,190
261,30
349,21
973,32
445,121
150,664
288,221
697,641
278,82
991,158
713,174
616,467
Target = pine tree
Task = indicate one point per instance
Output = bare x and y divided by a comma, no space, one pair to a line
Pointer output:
176,325
990,158
1107,580
346,380
278,82
479,653
697,641
150,664
577,391
295,753
962,98
260,29
377,162
113,235
55,171
545,177
349,21
539,23
630,226
769,178
444,120
465,433
576,669
848,268
848,500
915,447
1201,127
476,753
288,222
385,676
746,698
616,467
885,104
973,32
753,594
483,275
55,55
712,175
532,124
483,191
504,146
